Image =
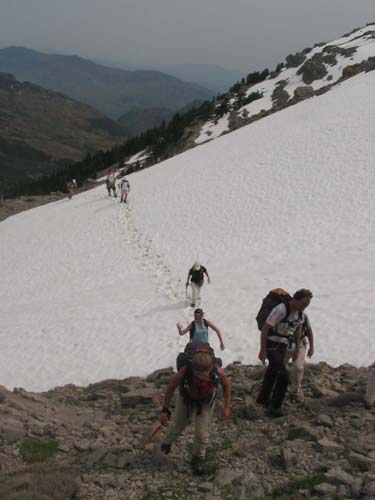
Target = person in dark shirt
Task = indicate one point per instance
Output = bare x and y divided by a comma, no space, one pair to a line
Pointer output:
195,278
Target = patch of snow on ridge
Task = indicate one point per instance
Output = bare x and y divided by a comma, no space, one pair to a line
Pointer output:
91,289
142,155
213,129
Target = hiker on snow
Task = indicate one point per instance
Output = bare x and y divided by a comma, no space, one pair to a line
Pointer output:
279,328
306,346
197,383
71,187
196,275
124,187
198,330
111,182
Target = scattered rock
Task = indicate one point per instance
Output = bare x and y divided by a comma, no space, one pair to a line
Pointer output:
340,476
324,420
139,397
360,462
306,432
325,489
326,445
288,458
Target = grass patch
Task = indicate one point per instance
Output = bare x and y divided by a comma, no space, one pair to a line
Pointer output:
167,493
212,462
301,483
37,450
40,482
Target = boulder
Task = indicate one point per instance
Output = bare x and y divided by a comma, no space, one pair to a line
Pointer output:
303,92
326,445
340,476
305,432
139,397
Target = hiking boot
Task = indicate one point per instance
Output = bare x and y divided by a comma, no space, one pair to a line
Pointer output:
192,305
276,412
297,397
263,402
197,464
165,448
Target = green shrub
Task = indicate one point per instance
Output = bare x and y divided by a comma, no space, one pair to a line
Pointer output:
37,450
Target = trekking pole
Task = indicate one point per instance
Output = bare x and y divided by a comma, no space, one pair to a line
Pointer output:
151,436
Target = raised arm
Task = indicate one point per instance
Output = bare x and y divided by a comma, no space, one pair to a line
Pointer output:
183,331
218,333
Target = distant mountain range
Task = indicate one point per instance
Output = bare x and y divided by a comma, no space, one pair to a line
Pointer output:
40,128
214,77
112,91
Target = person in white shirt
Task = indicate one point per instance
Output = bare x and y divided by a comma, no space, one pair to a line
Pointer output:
283,324
124,187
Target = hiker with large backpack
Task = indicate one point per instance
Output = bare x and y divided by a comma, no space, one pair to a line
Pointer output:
280,321
195,279
198,384
198,333
111,182
306,347
124,187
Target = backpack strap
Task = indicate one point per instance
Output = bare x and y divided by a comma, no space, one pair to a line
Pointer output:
274,332
192,329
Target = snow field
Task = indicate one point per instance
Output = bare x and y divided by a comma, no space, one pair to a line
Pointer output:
91,289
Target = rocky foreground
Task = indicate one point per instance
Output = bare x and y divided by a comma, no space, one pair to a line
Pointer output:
88,443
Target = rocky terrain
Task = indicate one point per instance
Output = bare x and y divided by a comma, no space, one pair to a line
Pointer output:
88,442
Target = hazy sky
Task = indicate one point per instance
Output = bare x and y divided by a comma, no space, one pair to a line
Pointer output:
241,34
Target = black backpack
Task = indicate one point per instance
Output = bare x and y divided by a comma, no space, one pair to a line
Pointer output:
273,299
197,276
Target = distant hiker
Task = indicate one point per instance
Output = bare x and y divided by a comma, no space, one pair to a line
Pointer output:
124,187
306,347
198,384
370,392
282,325
71,187
111,182
196,275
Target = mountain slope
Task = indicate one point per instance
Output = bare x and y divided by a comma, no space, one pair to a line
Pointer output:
39,126
140,119
303,75
286,201
110,90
